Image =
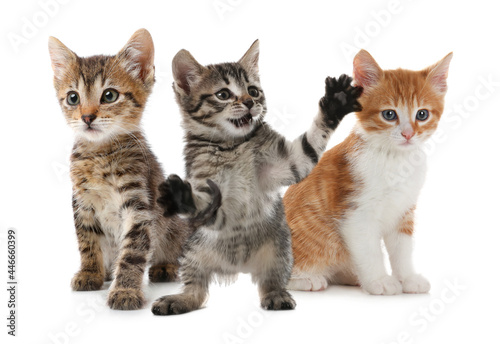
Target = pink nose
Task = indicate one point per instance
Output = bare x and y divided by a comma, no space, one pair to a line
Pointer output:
408,134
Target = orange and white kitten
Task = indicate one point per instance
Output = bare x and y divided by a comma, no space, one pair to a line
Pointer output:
361,191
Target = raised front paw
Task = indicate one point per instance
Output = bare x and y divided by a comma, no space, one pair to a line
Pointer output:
86,281
126,299
340,99
175,196
277,300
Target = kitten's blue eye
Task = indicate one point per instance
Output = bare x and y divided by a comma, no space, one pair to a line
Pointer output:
422,115
223,94
109,96
389,115
73,98
253,91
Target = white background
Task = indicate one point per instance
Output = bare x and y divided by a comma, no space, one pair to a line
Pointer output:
457,232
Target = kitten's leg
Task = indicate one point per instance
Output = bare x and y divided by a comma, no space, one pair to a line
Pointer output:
195,276
272,288
170,236
91,275
289,162
272,270
126,293
363,242
400,246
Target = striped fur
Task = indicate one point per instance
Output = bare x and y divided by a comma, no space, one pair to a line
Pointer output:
235,170
119,226
365,189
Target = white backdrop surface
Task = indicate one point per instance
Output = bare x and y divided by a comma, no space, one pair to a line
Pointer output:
457,231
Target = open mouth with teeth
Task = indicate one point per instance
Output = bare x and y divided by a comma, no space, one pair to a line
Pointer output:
242,121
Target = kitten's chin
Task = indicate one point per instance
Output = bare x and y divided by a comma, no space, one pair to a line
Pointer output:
407,146
92,135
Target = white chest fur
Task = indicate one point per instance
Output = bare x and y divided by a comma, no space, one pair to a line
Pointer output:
389,183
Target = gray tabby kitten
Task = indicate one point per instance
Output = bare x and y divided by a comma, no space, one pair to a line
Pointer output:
115,175
236,165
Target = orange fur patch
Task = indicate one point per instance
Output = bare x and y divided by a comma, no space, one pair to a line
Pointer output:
315,206
407,222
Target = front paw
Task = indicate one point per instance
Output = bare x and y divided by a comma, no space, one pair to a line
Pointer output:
172,304
86,281
277,300
340,99
387,285
175,196
126,299
416,284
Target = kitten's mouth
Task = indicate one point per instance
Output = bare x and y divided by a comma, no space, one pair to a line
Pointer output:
242,121
91,130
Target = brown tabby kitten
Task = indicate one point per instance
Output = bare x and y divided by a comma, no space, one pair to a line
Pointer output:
115,176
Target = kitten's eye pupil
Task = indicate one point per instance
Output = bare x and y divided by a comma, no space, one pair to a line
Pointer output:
389,115
223,94
253,91
109,96
422,115
73,98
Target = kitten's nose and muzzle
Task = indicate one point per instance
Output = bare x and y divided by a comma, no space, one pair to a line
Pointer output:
407,134
88,119
248,103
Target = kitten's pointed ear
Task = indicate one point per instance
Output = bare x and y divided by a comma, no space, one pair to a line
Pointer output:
187,71
366,70
250,61
138,56
60,56
438,73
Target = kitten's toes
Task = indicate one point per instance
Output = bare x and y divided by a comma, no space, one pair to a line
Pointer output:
416,284
277,300
335,85
387,285
86,281
166,200
126,299
171,305
181,194
313,283
163,273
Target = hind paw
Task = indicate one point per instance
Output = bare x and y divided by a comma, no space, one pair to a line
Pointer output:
163,273
312,283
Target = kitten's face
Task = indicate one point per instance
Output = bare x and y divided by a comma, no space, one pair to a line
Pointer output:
222,101
104,96
401,108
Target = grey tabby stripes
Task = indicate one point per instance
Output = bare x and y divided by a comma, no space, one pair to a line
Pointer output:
230,151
